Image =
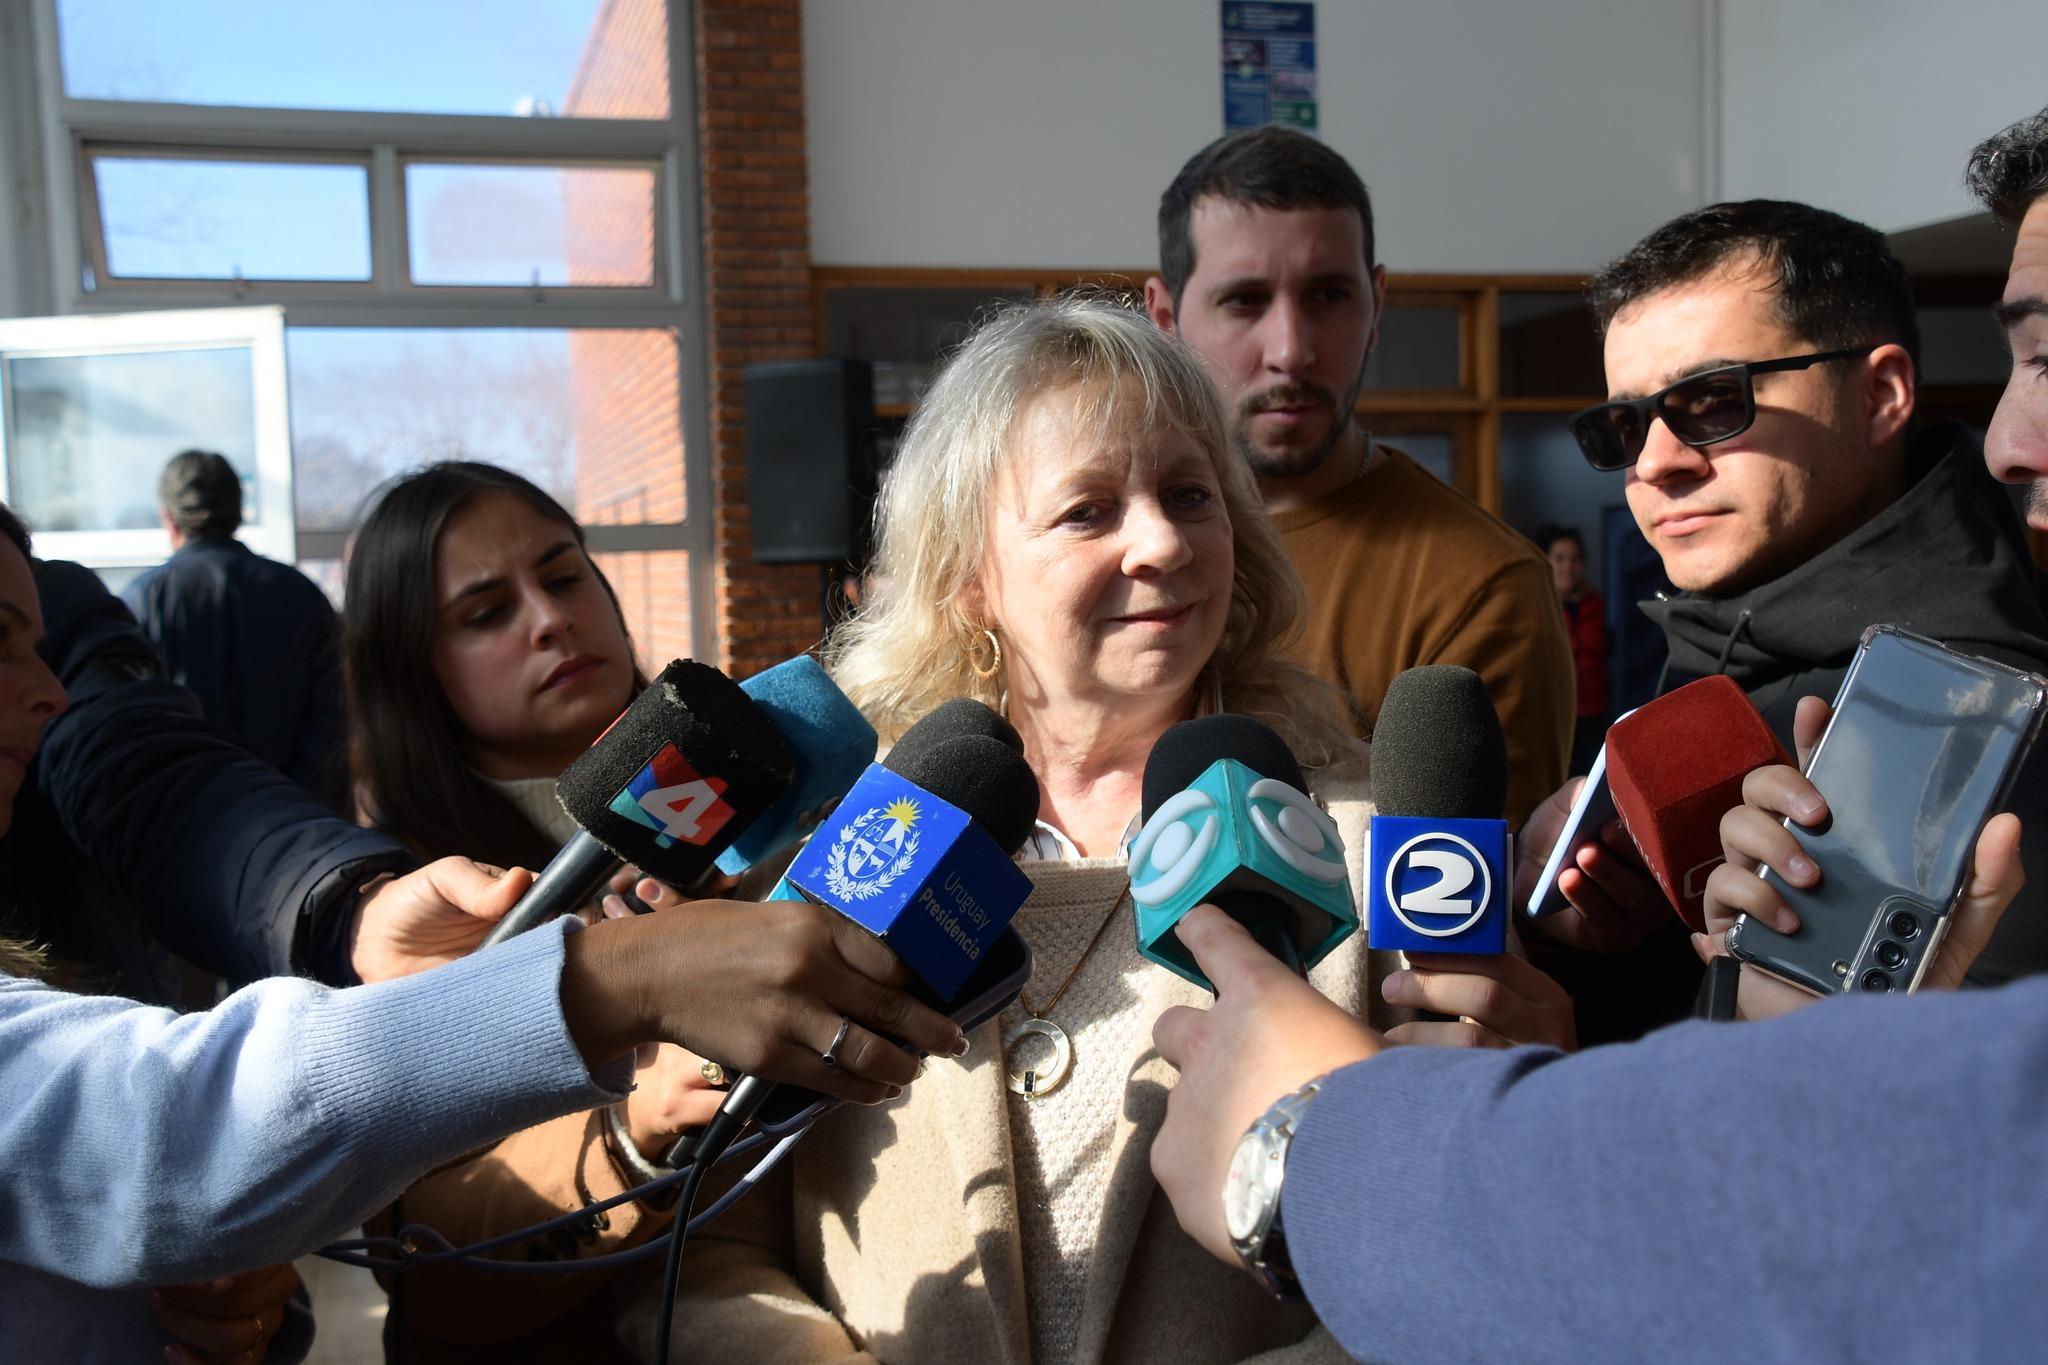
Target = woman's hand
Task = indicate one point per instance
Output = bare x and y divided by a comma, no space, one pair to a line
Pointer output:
1500,1001
1612,901
761,988
670,1093
228,1321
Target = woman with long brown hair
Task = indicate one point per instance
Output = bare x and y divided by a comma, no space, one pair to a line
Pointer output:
483,651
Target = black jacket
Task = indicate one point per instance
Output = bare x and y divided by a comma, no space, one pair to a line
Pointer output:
257,642
142,824
1947,560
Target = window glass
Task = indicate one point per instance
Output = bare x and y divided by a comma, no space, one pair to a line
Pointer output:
905,331
1419,348
1549,347
192,219
600,58
591,414
654,596
530,225
89,434
1962,346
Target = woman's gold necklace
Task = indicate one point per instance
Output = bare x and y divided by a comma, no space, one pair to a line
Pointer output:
1031,1083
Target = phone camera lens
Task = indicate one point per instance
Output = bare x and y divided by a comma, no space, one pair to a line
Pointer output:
1876,982
1890,956
1902,924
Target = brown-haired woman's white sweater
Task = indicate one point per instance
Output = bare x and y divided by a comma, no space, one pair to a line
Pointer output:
961,1223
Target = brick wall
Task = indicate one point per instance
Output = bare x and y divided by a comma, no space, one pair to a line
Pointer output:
625,383
756,204
756,253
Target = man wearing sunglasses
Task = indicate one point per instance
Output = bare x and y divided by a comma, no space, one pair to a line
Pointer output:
1761,360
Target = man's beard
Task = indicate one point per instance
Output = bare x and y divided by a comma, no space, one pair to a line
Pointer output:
1292,464
2037,504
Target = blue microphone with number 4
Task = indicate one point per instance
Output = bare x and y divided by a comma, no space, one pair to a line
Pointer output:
1437,863
1229,821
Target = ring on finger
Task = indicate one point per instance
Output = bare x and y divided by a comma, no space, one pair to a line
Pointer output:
830,1056
712,1072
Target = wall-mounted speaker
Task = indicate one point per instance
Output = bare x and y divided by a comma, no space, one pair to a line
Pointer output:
810,481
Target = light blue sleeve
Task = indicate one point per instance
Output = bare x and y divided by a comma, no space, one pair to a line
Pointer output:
141,1146
1864,1180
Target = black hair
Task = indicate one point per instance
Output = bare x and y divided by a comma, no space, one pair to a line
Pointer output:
1836,281
2009,170
413,779
1269,168
1547,536
12,527
201,493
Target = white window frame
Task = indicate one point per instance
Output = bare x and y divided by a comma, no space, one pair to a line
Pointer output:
259,330
675,303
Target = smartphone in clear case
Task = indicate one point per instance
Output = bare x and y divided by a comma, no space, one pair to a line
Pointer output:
1922,750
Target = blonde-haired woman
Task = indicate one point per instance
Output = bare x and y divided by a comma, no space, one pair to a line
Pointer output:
1066,535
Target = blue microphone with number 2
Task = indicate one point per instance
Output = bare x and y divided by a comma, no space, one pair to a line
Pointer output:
1437,865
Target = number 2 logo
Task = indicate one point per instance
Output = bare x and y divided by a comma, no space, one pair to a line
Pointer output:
1456,867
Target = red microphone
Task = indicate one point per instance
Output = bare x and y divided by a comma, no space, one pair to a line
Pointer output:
1675,767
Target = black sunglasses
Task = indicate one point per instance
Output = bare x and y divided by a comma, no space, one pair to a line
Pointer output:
1699,410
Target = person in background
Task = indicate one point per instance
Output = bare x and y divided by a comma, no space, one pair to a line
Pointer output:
1268,270
484,652
1585,622
253,639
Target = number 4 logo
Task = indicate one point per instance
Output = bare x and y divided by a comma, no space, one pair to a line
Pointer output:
684,810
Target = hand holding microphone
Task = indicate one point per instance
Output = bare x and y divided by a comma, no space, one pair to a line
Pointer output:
1229,822
1268,1033
1437,866
763,988
1611,901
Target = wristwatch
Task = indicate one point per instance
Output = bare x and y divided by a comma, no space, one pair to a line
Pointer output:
1251,1192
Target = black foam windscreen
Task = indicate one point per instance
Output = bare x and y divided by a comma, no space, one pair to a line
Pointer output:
719,735
982,776
1437,748
1185,752
960,716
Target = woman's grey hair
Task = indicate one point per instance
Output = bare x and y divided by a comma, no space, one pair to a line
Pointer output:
909,651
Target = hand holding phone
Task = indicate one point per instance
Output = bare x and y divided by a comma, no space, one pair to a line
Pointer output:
1760,833
1922,747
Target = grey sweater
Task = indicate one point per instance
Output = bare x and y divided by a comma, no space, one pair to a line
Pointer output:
142,1147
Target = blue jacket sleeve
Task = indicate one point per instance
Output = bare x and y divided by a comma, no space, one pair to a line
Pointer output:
229,863
146,1147
1862,1180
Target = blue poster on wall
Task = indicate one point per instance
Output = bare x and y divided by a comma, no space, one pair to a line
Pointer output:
1269,65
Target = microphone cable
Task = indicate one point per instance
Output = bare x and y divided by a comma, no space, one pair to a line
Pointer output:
672,1267
400,1251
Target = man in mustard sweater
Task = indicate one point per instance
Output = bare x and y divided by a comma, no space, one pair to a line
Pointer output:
1267,271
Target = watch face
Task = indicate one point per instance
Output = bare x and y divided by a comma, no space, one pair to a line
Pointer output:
1244,1189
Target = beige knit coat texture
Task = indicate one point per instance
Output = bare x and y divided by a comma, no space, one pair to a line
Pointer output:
898,1234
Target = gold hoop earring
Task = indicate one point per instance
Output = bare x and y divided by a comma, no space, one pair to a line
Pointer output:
995,664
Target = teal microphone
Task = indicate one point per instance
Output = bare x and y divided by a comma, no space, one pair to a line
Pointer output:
1228,821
